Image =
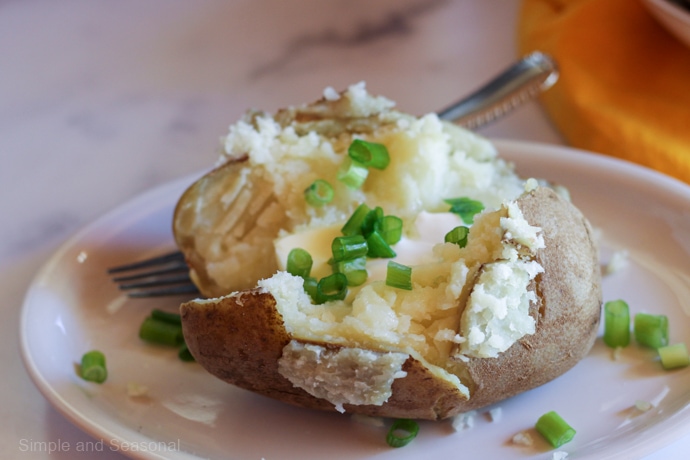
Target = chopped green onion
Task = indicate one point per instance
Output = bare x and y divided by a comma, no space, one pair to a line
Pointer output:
352,173
651,330
391,229
161,332
332,287
616,324
466,208
184,354
319,193
348,247
402,432
369,154
354,269
310,287
554,429
674,356
299,262
166,317
372,221
378,246
353,226
458,236
399,276
93,367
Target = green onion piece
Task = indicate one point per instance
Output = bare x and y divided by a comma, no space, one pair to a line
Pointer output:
354,269
378,246
93,367
554,429
458,236
184,354
391,229
651,330
370,154
372,221
166,317
299,263
332,287
616,324
161,332
310,287
319,193
353,226
352,173
466,208
402,432
674,356
348,247
399,275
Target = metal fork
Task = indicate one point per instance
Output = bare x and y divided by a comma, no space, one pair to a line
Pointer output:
168,274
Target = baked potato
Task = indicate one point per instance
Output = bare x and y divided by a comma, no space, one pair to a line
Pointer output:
395,357
514,307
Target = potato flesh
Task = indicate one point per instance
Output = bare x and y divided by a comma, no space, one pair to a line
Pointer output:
283,154
425,322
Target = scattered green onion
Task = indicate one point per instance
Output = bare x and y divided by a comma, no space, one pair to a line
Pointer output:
378,248
353,226
354,269
369,154
458,236
161,332
93,367
166,317
332,287
554,429
184,354
674,356
466,208
319,193
402,432
352,173
299,262
391,229
651,330
399,276
348,247
616,324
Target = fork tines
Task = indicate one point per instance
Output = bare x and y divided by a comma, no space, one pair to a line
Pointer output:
159,276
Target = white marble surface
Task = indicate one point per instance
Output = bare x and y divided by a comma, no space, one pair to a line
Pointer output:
100,101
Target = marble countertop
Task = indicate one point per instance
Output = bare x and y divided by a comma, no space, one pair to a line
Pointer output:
104,100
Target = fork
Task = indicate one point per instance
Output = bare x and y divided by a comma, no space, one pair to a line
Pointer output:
167,275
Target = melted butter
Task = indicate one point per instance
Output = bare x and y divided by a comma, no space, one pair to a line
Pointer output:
413,249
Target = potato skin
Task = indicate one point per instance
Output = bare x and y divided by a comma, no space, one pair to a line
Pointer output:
567,313
240,338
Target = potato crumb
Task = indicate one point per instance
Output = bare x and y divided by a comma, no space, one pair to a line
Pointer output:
465,421
616,353
136,390
618,261
523,438
495,414
559,455
643,406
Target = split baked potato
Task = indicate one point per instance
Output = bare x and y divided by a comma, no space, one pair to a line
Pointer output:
515,306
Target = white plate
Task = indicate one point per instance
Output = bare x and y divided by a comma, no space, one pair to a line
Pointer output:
72,307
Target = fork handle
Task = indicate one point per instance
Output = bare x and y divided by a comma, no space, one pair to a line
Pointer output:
520,82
